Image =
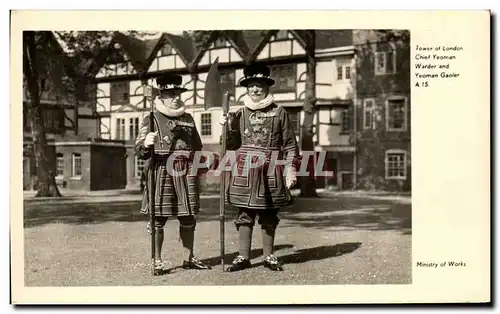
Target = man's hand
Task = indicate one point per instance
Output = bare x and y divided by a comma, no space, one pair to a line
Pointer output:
290,178
223,119
151,139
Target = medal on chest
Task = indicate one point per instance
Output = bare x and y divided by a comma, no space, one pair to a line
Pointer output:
171,124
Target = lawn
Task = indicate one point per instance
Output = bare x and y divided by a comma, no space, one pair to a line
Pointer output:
334,240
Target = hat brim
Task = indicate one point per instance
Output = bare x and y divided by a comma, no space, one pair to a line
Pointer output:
179,89
268,81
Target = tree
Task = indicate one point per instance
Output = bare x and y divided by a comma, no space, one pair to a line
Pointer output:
199,37
65,69
307,184
34,113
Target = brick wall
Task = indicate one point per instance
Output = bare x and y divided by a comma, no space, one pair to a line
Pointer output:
108,167
69,179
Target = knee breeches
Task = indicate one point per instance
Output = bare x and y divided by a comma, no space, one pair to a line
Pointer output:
187,222
267,218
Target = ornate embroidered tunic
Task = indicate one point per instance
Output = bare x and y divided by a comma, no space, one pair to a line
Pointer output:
174,195
265,131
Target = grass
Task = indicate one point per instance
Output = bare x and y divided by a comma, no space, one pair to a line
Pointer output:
323,241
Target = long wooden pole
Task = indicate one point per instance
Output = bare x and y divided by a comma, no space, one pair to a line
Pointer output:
151,179
225,109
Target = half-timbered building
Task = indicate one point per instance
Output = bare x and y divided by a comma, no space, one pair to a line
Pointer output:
343,91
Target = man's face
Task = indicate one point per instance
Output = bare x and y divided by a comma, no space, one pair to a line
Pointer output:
257,90
171,98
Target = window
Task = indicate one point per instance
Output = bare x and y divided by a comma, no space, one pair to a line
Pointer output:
396,114
385,61
76,165
133,128
119,93
228,81
339,73
395,164
380,62
53,118
282,34
59,165
220,42
294,117
206,124
391,61
347,72
368,109
87,91
120,129
139,167
285,78
166,50
346,120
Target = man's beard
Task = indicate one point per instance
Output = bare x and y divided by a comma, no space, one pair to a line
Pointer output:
169,103
257,98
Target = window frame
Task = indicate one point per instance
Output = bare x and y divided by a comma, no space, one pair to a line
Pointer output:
276,87
119,128
112,93
387,113
202,125
225,73
138,161
133,127
59,158
405,164
340,73
371,110
346,114
162,53
74,156
347,74
53,116
383,70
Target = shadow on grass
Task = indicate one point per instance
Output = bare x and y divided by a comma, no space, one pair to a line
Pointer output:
228,258
94,213
339,212
318,253
298,257
349,213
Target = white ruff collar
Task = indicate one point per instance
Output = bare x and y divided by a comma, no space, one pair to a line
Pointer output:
169,112
258,105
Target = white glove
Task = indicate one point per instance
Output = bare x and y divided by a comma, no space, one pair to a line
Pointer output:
151,139
223,119
290,178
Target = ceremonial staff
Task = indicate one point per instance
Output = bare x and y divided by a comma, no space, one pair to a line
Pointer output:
214,97
148,93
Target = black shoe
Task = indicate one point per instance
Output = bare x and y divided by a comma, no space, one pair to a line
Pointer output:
159,268
194,263
239,263
272,263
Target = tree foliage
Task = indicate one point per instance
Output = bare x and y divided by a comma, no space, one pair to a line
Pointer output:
60,63
199,37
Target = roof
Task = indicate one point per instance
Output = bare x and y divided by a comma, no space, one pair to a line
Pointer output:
184,46
252,38
248,43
